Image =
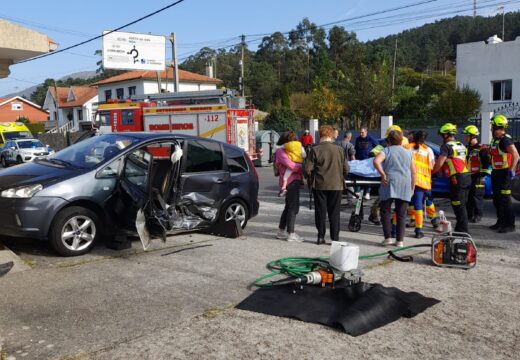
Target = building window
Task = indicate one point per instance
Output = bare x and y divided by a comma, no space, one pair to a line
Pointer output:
80,115
108,94
16,106
120,94
131,91
502,90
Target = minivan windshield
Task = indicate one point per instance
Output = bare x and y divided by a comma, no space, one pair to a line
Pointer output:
88,153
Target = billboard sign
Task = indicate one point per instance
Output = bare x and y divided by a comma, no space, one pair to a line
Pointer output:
133,51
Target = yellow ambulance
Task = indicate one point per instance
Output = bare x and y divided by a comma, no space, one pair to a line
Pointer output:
13,130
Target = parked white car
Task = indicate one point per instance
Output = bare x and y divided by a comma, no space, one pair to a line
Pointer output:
23,150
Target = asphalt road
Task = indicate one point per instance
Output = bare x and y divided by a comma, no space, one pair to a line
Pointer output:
176,300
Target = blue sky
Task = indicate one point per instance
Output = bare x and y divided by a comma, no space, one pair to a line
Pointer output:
200,23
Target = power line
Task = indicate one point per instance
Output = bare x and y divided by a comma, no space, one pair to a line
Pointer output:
360,16
102,35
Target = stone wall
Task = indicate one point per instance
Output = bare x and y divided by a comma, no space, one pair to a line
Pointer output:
59,141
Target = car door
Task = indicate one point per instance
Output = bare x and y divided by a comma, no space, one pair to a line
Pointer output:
132,189
204,182
147,179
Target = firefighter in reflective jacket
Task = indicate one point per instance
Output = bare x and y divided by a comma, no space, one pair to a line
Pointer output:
478,162
424,161
452,160
504,158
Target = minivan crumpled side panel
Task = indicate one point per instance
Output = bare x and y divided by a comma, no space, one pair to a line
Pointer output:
185,212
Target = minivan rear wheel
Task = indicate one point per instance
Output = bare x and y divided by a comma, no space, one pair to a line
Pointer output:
74,231
235,209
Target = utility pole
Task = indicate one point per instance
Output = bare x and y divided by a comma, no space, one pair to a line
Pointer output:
159,85
393,68
474,9
241,80
503,25
175,65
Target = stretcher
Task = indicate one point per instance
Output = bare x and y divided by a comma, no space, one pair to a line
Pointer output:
354,223
362,173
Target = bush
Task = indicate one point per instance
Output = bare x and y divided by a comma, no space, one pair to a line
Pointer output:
36,128
281,120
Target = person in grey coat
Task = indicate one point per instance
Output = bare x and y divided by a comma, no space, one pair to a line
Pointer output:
326,168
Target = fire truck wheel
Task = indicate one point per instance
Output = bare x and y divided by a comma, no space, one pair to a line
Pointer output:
234,209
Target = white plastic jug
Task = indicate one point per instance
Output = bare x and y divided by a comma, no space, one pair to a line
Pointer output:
344,256
444,224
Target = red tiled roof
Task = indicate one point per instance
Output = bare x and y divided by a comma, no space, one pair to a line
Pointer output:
82,94
185,76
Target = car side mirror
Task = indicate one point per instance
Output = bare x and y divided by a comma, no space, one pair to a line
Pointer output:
12,148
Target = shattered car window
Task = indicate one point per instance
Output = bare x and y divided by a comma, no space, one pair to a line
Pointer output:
136,168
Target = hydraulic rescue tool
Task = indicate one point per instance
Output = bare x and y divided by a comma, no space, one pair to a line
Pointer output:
454,250
451,249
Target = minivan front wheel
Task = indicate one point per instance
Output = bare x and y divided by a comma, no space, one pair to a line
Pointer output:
235,209
74,231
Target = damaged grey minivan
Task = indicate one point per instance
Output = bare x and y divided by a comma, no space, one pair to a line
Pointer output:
163,183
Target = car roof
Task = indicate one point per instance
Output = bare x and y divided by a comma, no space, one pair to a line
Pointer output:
145,136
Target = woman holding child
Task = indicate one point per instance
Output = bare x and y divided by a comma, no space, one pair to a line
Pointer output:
290,181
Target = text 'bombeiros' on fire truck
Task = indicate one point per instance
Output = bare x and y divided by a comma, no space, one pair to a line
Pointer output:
215,114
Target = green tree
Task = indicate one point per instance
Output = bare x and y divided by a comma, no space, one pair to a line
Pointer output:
326,105
456,105
262,83
281,120
38,95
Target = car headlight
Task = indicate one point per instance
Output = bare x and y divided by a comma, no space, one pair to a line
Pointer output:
23,192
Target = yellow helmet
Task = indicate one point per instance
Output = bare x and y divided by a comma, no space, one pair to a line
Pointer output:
393,128
448,128
471,130
499,120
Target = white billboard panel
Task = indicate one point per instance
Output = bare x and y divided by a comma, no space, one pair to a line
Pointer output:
133,51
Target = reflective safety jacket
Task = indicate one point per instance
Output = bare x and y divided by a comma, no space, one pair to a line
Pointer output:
478,159
424,161
499,159
456,161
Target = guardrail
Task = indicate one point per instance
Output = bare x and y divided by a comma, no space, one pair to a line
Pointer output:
68,127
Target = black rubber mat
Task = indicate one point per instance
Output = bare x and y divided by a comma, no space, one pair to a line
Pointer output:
357,309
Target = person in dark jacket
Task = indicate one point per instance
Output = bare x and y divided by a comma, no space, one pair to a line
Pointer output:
363,145
326,168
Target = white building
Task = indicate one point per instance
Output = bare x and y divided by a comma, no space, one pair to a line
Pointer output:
493,69
72,108
141,82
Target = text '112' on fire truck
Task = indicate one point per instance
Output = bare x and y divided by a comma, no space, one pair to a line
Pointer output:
215,114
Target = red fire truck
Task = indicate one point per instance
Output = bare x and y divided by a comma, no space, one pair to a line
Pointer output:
211,114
